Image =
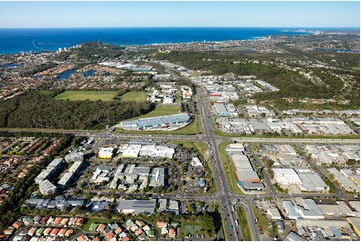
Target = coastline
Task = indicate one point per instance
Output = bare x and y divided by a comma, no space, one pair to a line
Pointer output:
44,42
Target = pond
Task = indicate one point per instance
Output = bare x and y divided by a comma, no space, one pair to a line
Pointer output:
66,74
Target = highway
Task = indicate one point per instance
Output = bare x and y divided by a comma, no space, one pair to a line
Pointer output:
225,198
229,217
199,137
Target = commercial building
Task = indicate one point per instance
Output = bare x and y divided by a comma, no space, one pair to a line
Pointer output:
106,153
150,150
76,156
136,206
101,174
169,122
157,177
130,178
58,203
171,206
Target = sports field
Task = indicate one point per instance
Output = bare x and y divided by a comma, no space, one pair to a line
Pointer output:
190,228
84,95
133,97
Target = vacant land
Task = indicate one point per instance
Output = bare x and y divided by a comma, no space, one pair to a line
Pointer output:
243,224
105,96
262,221
133,97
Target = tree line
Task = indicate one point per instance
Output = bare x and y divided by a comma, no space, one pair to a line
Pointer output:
36,110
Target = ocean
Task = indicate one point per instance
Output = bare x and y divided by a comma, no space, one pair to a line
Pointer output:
37,40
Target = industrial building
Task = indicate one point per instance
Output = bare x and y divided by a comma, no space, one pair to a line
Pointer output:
247,177
339,209
136,206
304,179
170,122
225,110
255,110
302,208
285,176
343,180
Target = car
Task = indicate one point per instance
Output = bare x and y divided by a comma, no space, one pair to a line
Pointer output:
231,226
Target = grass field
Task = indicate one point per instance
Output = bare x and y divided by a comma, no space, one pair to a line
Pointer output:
84,95
229,169
133,97
95,220
243,224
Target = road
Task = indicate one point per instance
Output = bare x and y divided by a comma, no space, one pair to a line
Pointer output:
226,199
224,195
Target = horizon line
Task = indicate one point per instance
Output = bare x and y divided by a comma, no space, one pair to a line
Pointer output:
85,27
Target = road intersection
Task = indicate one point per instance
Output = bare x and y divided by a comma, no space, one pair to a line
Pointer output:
226,199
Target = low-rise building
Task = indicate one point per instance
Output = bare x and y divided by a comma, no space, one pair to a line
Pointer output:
106,153
136,206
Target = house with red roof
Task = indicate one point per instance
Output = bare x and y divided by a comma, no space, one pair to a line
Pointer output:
62,232
171,233
18,224
82,238
54,232
100,228
109,235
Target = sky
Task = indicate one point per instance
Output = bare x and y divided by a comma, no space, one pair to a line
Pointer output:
179,14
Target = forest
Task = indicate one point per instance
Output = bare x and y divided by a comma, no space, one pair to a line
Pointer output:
290,83
36,110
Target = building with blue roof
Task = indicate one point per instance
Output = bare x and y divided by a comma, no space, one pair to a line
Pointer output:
170,122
